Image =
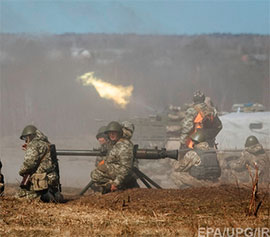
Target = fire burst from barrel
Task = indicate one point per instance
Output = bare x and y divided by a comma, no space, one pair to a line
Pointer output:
119,94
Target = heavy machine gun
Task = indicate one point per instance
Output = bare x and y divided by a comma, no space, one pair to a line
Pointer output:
147,154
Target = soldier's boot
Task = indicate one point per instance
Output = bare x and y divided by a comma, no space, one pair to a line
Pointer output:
59,198
47,196
106,188
96,188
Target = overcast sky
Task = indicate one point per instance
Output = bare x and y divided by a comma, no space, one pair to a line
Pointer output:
140,17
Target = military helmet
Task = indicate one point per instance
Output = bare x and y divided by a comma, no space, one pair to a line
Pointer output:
128,125
198,97
114,127
251,141
28,130
198,136
101,132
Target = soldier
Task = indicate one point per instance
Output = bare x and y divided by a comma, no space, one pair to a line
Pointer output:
104,142
252,156
128,130
199,116
39,170
2,183
116,170
199,167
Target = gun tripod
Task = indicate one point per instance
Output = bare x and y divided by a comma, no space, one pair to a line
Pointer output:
143,177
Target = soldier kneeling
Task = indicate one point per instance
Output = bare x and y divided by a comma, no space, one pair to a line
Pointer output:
199,166
39,170
115,171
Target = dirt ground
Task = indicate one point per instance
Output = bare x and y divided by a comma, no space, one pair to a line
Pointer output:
136,212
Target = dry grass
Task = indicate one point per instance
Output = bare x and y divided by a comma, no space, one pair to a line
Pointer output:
138,212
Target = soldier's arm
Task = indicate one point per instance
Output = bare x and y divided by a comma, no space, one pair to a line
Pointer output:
32,158
262,164
187,124
190,159
126,159
240,164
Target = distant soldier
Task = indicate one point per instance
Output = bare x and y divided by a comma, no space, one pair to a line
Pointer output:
116,170
40,176
104,142
199,116
199,167
2,183
252,156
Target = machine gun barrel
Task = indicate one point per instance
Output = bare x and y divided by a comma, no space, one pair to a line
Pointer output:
153,154
80,153
148,154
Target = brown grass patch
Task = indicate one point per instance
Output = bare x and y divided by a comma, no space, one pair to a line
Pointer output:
137,212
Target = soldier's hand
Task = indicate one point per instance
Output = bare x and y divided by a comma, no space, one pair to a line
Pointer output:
113,188
24,147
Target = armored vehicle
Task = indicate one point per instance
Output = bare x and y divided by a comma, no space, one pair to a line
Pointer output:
157,130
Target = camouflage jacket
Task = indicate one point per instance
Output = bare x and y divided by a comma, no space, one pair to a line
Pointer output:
191,158
128,135
37,158
251,155
119,161
188,126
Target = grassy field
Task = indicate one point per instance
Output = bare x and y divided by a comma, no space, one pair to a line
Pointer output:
137,212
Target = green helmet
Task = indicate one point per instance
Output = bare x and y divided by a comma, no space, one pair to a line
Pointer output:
114,127
198,97
101,132
198,136
28,130
251,141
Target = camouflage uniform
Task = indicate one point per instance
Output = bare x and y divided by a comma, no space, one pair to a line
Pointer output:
2,183
103,148
251,155
117,165
188,125
181,173
132,183
37,160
